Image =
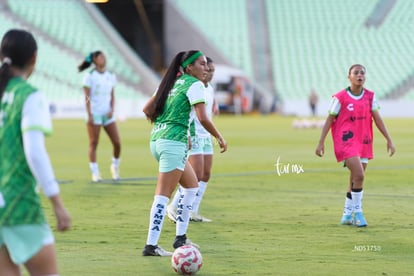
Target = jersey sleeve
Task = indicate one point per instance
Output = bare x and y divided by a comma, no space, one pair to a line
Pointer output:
87,80
334,106
196,93
375,104
36,115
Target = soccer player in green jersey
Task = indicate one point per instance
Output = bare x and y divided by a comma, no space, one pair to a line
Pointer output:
25,237
200,155
171,110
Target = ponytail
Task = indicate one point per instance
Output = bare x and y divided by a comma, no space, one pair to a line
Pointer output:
167,83
88,60
175,70
5,76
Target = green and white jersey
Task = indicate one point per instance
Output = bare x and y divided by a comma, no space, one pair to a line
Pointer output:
196,128
173,123
22,109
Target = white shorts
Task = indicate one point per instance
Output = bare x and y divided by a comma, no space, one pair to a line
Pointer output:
201,145
102,120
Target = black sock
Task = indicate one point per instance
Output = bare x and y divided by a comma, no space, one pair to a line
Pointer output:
356,190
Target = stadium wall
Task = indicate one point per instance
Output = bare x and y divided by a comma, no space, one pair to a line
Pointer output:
75,109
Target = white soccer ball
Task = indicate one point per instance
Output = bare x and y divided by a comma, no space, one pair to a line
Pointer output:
186,260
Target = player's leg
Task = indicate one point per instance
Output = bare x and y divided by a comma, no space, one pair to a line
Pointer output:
194,151
357,177
7,266
171,157
165,186
189,187
348,206
43,263
172,207
197,162
202,187
93,134
112,130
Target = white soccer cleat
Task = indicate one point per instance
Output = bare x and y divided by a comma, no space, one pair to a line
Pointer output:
199,218
115,172
172,214
96,177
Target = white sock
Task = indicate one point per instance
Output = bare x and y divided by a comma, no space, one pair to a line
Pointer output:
185,204
348,207
157,214
202,186
94,167
357,201
174,201
116,161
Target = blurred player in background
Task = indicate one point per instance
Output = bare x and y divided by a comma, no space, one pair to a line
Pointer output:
180,95
25,236
313,101
98,85
200,153
350,121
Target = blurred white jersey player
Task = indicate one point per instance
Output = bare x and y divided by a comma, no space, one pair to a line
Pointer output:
98,86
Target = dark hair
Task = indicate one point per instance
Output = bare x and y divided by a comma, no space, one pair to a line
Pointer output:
353,66
17,48
174,71
88,60
209,60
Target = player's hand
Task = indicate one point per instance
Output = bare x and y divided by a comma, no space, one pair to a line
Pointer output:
390,148
222,143
63,219
320,150
61,214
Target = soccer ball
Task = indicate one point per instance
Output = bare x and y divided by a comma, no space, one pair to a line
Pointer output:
186,260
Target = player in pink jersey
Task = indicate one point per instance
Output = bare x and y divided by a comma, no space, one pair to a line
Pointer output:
350,119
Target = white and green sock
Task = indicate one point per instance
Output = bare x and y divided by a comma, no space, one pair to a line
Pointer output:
157,214
202,186
93,166
116,161
176,198
185,205
349,206
357,201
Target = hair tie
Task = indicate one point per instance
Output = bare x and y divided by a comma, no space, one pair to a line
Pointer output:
7,60
88,58
191,58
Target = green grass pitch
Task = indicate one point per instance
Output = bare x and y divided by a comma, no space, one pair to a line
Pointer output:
263,223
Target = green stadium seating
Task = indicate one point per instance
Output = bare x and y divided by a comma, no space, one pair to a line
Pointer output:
313,43
56,70
316,44
70,24
225,24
